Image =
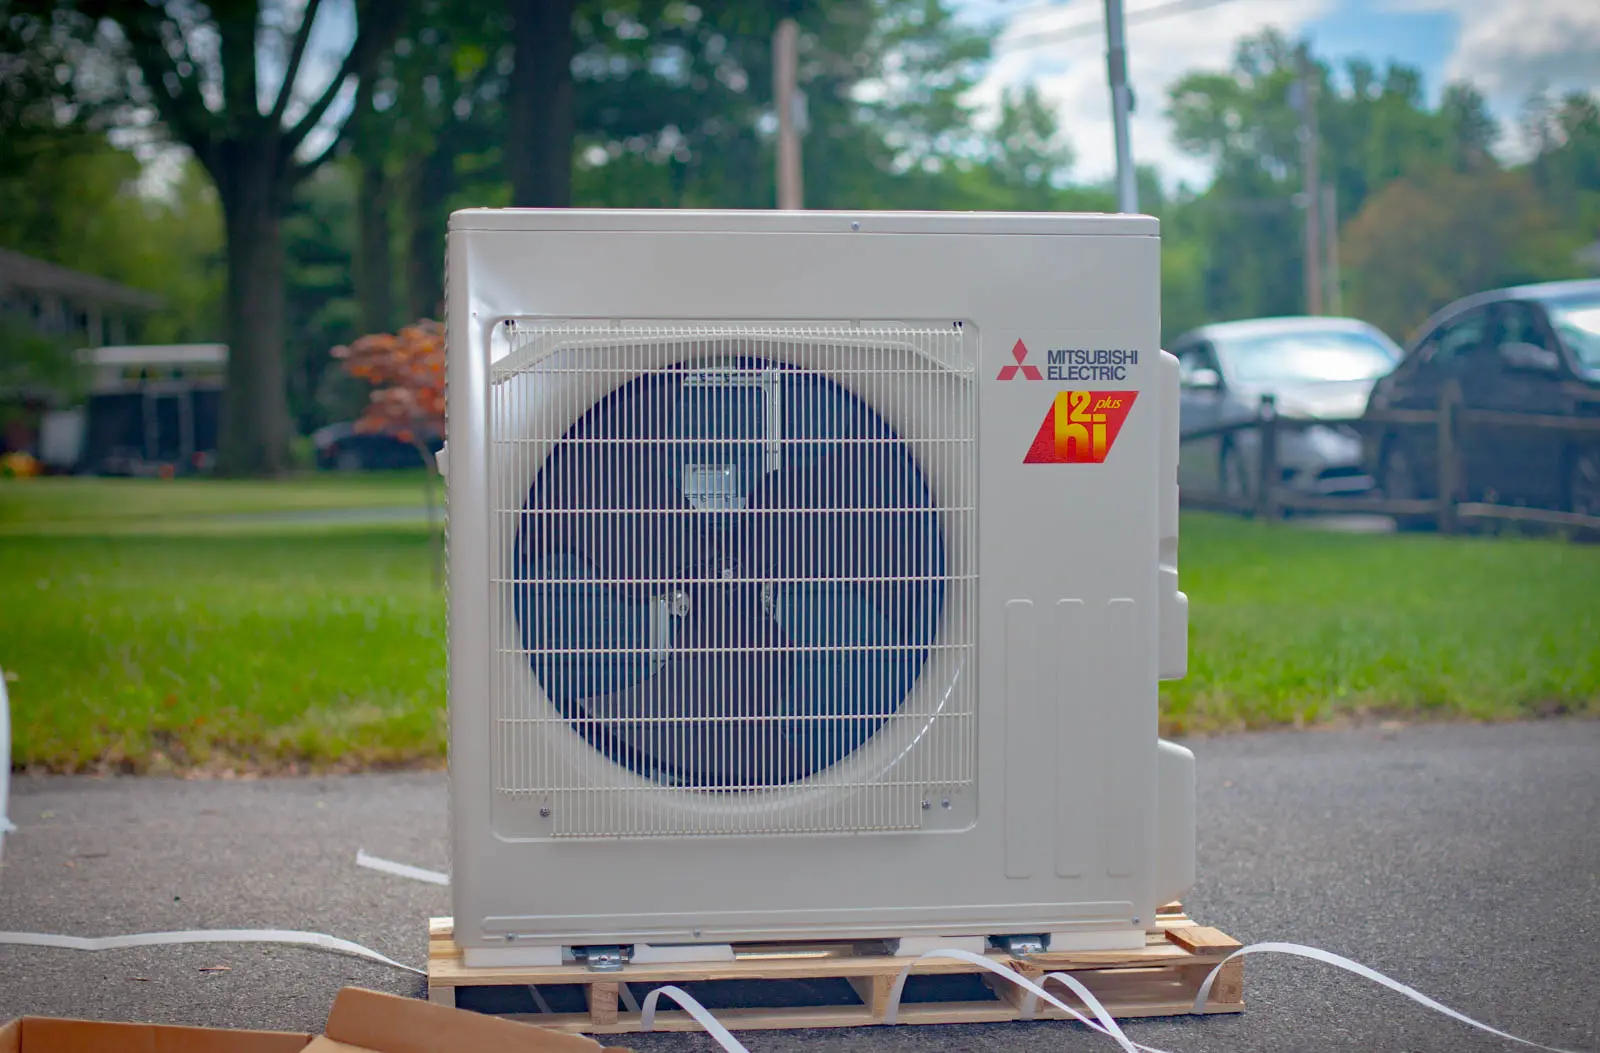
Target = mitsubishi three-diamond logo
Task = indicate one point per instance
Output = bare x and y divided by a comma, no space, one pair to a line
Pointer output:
1020,353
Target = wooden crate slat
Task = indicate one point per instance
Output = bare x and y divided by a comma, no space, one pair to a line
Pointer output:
1203,938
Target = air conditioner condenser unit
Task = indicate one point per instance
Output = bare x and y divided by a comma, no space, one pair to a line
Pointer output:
811,576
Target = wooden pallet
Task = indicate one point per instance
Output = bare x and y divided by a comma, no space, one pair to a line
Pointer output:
1160,979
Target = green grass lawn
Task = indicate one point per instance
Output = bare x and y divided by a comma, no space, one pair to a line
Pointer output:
1289,625
143,628
141,639
56,505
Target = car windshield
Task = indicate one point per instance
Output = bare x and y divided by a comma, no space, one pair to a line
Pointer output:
1312,355
1578,322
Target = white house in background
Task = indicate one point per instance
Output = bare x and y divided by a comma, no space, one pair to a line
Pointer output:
67,307
152,408
61,302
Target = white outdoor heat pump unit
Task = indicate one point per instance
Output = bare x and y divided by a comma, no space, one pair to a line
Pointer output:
811,577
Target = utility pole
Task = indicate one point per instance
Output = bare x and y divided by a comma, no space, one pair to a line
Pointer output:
1121,106
785,63
1330,229
1306,99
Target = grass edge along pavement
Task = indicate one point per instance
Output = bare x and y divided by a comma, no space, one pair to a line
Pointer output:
149,639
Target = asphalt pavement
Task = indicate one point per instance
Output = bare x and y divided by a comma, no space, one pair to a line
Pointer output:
1463,860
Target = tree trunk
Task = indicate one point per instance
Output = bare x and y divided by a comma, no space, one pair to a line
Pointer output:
374,259
428,189
539,147
255,426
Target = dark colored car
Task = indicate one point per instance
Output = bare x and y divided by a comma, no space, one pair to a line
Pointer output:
1529,349
341,448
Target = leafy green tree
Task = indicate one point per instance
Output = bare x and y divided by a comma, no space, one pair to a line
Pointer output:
257,143
322,310
1423,241
1245,226
1566,167
69,196
1471,128
180,255
440,112
1031,156
1245,232
671,107
81,207
32,365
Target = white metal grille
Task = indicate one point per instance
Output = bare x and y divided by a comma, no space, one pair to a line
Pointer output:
734,574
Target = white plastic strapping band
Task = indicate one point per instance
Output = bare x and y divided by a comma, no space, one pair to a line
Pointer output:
159,939
1329,958
702,1015
5,755
1104,1023
405,870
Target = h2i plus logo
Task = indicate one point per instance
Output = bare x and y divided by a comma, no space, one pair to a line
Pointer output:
1080,427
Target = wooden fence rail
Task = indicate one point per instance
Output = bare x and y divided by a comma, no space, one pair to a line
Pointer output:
1452,422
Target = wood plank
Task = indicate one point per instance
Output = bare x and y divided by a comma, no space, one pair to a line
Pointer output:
873,992
1291,501
1127,988
1162,953
1539,421
1212,500
1228,988
1159,979
805,1017
1448,448
1216,431
1477,510
1024,1001
1200,938
1402,416
452,971
602,1001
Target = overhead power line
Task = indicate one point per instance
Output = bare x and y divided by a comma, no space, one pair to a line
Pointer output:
1040,5
1153,13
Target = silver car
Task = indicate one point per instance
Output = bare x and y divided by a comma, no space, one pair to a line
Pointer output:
1314,367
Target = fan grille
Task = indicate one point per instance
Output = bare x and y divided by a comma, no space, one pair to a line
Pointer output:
736,567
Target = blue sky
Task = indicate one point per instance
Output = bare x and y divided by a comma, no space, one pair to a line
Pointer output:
1365,29
1505,47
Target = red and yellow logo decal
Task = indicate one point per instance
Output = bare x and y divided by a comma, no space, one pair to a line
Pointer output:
1080,427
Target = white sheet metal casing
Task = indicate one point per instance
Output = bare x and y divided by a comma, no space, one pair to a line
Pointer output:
1079,822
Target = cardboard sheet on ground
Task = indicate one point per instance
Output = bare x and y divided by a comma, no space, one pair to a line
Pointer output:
361,1021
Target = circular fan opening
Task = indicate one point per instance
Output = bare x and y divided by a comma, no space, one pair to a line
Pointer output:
732,575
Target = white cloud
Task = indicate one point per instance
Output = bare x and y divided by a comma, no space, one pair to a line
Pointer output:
1509,49
1071,72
